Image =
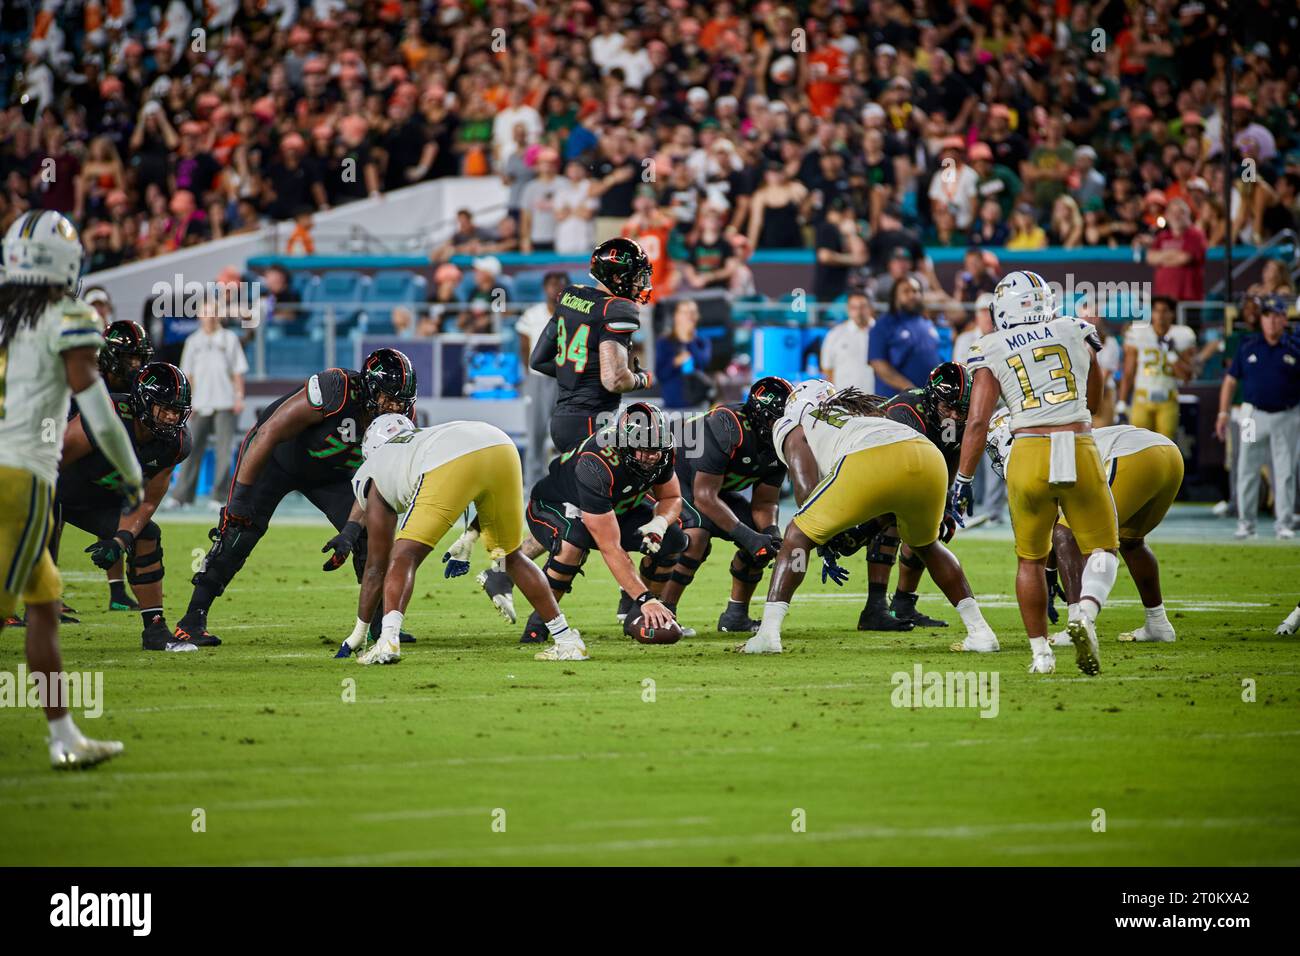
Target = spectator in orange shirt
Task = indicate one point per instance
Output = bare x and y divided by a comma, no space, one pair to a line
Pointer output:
828,70
651,227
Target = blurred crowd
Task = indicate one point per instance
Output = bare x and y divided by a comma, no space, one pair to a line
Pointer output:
714,129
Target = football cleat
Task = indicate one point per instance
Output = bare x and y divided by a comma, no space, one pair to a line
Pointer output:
569,649
156,637
625,604
760,644
406,638
344,651
1043,664
84,753
903,607
535,631
501,590
1060,639
875,617
1083,635
1290,623
382,652
979,641
736,622
195,630
1143,633
127,605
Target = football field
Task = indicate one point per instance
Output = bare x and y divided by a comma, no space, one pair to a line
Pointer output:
267,751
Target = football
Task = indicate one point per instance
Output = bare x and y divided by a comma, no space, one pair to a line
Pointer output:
636,628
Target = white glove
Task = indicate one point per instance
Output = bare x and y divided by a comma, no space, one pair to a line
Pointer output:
652,534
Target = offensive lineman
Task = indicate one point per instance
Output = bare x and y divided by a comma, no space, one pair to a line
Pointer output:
154,414
1045,369
848,466
308,441
430,476
49,343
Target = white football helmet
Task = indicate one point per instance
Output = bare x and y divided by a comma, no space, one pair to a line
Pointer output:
382,429
998,443
42,248
807,395
1023,298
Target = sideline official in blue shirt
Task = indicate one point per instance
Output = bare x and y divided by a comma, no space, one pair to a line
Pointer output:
1268,367
904,344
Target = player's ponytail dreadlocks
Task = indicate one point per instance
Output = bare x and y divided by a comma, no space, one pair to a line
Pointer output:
21,305
854,401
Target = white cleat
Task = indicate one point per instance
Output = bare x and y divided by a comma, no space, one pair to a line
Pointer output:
686,631
1060,639
382,652
1083,635
496,584
1043,664
980,641
760,643
567,650
1150,635
84,753
1289,625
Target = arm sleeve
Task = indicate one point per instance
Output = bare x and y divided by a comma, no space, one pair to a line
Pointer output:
721,436
543,357
110,436
595,483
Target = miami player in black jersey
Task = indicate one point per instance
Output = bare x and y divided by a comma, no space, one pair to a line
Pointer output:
308,441
587,345
154,412
938,411
616,493
735,453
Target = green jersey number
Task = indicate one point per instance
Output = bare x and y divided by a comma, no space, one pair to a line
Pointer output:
576,350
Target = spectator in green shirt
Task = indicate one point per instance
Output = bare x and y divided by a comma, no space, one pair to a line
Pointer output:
1048,168
996,181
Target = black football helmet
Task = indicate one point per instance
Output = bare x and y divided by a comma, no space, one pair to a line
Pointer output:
766,403
390,372
125,351
160,385
643,427
622,267
949,384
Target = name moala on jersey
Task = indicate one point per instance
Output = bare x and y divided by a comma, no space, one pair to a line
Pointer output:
1037,334
576,302
74,909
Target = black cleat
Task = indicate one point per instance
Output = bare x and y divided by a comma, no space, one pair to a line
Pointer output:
156,637
878,618
195,630
625,605
903,607
405,638
535,631
115,605
737,622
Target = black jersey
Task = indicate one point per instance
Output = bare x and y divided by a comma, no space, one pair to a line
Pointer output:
329,450
92,481
911,408
594,476
728,446
584,317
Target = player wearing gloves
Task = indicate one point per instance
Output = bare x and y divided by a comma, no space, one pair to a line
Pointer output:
154,414
308,441
49,342
430,476
616,492
1044,368
735,454
849,466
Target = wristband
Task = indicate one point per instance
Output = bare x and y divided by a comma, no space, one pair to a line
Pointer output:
963,479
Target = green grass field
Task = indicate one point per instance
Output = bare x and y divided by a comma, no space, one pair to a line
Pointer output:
469,733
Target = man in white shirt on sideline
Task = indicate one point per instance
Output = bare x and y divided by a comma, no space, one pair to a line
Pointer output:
844,350
539,389
214,362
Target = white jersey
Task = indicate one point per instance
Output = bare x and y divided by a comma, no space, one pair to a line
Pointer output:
1155,358
398,466
34,392
1042,369
1116,441
831,433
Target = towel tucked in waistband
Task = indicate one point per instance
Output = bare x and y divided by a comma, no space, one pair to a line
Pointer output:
1062,469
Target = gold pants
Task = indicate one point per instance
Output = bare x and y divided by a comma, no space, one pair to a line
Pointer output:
1034,502
1161,417
492,479
29,573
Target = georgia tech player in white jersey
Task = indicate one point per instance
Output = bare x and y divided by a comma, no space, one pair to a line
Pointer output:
850,465
1044,368
49,346
430,476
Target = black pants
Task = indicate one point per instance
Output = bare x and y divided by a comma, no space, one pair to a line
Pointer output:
550,526
567,431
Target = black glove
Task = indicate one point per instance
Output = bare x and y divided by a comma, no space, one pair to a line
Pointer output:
106,552
947,528
1054,590
761,545
342,545
240,506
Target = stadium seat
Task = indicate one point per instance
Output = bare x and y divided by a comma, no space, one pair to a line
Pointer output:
387,291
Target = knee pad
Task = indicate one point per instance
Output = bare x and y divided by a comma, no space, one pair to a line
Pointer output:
912,560
883,549
745,569
553,567
675,542
150,532
231,545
